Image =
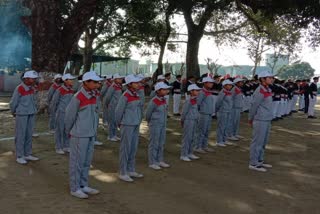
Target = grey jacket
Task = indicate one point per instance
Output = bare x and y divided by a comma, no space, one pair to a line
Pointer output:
105,88
261,108
113,94
128,110
23,101
80,119
224,101
61,99
53,88
190,110
205,102
237,97
156,112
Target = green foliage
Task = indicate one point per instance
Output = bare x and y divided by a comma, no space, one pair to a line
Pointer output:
299,70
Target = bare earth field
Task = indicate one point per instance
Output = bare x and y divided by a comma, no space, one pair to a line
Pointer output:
219,182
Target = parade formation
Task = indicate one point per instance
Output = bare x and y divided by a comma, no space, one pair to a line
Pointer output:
74,116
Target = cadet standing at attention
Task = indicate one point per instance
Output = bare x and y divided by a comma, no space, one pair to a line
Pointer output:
23,108
156,116
128,118
53,88
81,126
260,116
189,122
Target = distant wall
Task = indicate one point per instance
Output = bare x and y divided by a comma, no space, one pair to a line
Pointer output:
9,82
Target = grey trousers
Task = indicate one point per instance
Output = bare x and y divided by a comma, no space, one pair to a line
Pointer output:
188,137
128,148
81,154
222,126
60,136
23,135
203,132
260,138
156,144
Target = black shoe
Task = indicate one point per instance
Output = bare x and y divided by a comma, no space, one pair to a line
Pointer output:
280,118
246,111
214,117
312,117
275,119
168,116
294,111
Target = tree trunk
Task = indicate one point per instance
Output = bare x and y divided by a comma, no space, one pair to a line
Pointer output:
160,64
192,62
88,52
52,41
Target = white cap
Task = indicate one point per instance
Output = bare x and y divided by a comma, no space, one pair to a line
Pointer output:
68,77
193,87
237,80
161,85
207,79
108,76
131,78
161,77
57,76
31,74
265,74
117,76
91,75
227,82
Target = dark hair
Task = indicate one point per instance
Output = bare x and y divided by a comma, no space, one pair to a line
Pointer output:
167,74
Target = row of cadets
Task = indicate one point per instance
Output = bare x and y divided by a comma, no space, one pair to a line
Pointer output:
23,108
81,126
260,116
110,102
60,101
104,89
205,103
128,116
176,93
57,81
313,91
189,123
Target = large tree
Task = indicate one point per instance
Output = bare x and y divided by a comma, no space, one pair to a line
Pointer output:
56,27
298,70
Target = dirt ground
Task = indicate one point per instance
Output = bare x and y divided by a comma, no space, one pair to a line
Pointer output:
219,182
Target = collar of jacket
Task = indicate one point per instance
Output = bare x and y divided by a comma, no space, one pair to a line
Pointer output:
27,88
88,94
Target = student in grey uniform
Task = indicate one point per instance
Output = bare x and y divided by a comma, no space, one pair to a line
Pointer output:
128,118
60,101
141,90
237,100
53,88
189,122
23,108
81,126
224,107
260,117
105,87
111,100
98,96
156,116
205,105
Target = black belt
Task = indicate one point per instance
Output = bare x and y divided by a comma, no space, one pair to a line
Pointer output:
176,92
